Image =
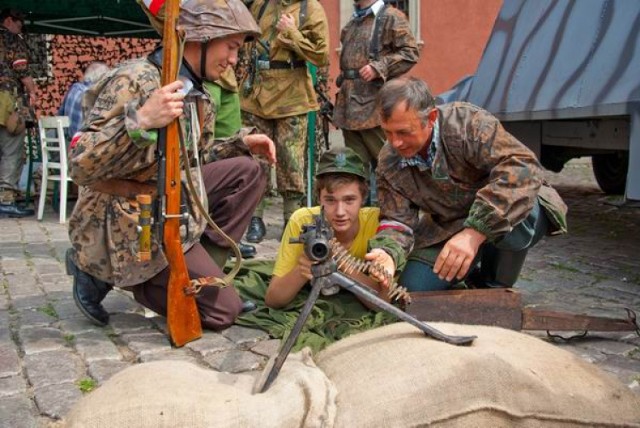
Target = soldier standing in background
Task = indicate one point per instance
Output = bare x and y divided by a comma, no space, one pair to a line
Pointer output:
15,82
277,91
377,45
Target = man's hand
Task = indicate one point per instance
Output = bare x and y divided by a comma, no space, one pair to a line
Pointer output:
457,254
260,144
163,106
368,73
304,267
286,21
382,258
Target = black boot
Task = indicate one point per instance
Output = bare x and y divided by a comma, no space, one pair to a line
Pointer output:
256,231
88,293
247,251
14,211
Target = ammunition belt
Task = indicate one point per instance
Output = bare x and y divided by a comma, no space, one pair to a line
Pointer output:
280,65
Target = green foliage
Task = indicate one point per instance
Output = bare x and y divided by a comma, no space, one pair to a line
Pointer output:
87,384
48,309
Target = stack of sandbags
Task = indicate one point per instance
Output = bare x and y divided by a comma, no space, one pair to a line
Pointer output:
388,377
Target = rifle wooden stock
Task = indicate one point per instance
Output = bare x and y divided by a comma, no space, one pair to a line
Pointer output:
183,320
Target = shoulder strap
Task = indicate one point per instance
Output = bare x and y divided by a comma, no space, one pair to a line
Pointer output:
263,8
302,17
376,46
303,12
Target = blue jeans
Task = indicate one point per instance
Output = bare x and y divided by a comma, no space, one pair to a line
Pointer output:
496,264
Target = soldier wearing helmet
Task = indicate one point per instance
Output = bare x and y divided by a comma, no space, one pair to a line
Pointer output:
117,145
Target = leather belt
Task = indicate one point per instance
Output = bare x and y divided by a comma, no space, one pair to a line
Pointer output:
124,188
279,65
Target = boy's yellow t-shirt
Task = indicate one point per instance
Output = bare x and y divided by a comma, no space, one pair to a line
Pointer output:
288,254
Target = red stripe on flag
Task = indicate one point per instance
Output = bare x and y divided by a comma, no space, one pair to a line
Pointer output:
155,5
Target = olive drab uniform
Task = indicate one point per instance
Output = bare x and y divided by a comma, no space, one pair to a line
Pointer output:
13,67
479,176
382,39
276,89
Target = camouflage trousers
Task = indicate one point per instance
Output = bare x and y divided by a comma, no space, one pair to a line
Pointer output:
12,157
290,137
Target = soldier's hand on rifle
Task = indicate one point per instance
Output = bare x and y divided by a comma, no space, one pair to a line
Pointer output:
260,144
163,106
384,259
286,21
458,253
368,73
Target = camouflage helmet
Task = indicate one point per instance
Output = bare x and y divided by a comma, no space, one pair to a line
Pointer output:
341,160
204,20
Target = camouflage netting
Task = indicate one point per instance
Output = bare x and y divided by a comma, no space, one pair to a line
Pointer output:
391,376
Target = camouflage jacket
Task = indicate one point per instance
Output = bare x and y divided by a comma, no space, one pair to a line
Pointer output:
356,101
481,177
277,93
102,227
14,65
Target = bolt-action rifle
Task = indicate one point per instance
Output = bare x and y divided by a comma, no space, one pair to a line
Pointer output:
326,111
183,320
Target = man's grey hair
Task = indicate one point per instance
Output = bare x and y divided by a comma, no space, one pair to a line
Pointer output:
413,92
95,71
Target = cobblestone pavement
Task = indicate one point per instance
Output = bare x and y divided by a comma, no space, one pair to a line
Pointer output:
49,353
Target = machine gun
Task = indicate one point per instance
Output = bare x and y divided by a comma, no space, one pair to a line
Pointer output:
320,248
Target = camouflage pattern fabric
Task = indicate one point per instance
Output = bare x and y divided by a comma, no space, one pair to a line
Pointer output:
102,227
289,135
356,101
14,65
481,177
278,93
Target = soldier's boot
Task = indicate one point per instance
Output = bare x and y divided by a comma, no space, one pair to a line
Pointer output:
9,207
257,230
501,268
88,293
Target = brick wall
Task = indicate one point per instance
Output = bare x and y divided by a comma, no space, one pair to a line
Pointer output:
58,61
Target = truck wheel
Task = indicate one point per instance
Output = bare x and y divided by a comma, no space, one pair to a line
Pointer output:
611,171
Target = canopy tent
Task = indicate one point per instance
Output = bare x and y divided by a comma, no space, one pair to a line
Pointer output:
121,18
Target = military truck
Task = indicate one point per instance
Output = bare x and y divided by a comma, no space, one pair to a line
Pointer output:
563,76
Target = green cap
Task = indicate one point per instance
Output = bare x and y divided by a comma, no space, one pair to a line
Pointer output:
341,160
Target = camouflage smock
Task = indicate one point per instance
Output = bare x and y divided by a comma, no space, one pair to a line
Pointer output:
355,107
283,93
14,65
102,227
481,177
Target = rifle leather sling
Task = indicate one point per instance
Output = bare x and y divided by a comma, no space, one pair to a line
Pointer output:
124,188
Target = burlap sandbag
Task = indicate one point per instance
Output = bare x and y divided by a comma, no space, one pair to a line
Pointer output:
176,394
395,377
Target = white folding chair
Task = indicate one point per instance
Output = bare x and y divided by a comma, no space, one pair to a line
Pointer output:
54,160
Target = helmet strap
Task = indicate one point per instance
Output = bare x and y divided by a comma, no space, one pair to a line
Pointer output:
203,59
